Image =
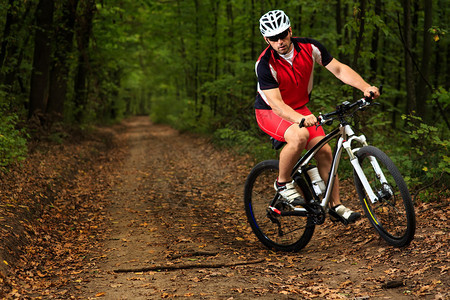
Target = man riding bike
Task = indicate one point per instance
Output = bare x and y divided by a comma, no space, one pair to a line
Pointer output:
285,79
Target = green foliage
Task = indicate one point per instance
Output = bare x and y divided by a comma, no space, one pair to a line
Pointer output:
180,113
442,97
224,85
13,142
244,143
428,158
437,32
191,64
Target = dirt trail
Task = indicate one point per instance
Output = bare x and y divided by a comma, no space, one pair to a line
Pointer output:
178,201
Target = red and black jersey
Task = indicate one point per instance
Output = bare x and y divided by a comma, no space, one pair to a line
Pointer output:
294,81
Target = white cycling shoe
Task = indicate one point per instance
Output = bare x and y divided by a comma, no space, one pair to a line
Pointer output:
346,213
289,193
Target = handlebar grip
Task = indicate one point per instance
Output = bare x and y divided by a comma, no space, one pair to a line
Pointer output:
369,98
372,94
302,123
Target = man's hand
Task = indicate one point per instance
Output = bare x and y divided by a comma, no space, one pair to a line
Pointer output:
310,120
374,90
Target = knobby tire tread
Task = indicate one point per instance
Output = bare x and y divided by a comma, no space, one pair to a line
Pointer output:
295,246
386,162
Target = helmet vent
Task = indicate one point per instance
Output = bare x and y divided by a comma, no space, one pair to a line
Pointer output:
273,23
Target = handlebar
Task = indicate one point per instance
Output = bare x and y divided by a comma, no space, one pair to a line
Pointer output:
347,108
344,109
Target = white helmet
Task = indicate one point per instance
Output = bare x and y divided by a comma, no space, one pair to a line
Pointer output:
273,23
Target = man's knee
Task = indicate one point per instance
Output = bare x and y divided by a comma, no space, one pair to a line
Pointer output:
324,153
297,137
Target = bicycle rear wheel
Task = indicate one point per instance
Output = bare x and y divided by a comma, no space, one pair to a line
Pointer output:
283,233
392,214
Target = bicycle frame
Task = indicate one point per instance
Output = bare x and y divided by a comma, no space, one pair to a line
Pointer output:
345,136
387,204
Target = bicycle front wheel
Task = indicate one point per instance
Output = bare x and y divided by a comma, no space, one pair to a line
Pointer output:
284,233
392,213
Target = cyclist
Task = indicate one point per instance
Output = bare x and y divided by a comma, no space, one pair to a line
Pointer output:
285,79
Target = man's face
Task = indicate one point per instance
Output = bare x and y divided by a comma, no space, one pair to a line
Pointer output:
281,42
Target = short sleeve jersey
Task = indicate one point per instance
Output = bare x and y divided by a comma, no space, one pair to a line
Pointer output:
294,81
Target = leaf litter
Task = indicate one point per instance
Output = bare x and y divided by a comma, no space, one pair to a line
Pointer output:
138,195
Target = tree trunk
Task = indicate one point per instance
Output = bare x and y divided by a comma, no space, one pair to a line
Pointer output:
338,24
396,101
188,80
41,58
359,39
409,71
230,33
11,18
447,73
300,20
213,61
60,66
83,37
13,54
252,31
415,23
422,83
375,41
199,101
345,58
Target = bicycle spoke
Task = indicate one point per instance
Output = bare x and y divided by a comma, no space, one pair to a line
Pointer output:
287,233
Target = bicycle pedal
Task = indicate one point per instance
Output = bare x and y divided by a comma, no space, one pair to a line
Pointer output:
335,217
334,220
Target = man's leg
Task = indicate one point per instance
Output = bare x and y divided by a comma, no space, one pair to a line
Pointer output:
296,139
324,159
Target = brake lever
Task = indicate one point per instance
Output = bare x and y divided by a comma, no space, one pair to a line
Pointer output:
320,120
369,104
373,103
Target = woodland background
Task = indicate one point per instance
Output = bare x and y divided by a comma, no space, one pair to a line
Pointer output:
190,63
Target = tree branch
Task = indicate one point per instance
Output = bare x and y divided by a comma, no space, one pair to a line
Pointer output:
188,266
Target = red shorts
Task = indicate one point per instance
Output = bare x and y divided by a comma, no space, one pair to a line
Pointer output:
275,126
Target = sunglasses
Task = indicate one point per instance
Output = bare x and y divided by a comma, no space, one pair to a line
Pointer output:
280,36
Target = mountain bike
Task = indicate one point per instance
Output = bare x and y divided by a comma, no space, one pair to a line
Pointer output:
381,189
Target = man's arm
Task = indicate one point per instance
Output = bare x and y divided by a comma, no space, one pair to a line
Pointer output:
284,111
350,77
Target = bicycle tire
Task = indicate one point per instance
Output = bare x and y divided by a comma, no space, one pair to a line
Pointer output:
282,233
392,215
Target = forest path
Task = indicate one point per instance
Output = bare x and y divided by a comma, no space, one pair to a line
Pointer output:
177,200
